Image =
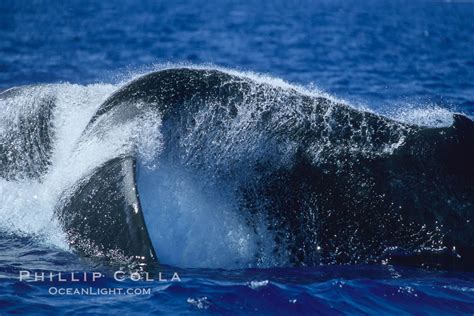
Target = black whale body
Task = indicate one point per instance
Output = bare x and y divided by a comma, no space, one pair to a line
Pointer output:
336,185
25,149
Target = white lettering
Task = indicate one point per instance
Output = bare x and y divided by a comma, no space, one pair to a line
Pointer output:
24,275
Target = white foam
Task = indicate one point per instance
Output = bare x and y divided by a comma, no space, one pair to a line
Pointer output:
254,285
27,206
430,115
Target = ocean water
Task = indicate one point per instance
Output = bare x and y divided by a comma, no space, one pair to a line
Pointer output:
409,60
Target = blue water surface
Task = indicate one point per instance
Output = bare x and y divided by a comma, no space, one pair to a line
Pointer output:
383,54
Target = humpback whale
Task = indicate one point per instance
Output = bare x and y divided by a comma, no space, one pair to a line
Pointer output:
335,185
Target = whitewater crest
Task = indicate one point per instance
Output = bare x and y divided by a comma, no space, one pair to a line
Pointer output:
202,167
